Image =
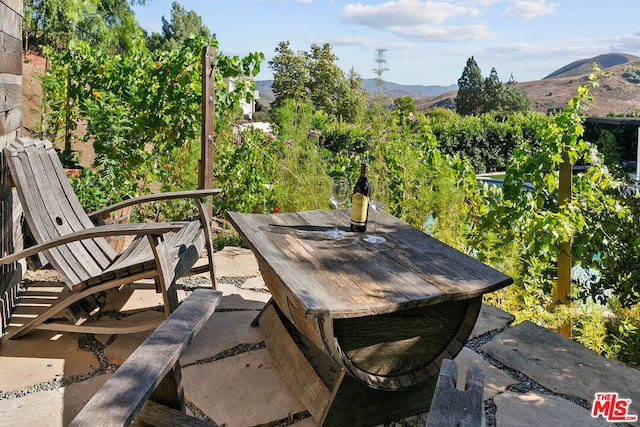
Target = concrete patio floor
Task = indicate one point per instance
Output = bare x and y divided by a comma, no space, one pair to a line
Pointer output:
533,377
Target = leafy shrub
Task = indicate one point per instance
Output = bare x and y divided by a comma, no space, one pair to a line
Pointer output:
142,110
632,76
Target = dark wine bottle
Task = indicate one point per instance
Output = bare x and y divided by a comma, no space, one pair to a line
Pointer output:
360,201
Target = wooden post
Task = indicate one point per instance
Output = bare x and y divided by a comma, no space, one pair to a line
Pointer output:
205,172
67,115
562,286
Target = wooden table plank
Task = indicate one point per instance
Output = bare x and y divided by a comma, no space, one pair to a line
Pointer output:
349,277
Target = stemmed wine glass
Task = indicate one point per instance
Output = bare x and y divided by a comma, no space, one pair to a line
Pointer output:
339,191
373,238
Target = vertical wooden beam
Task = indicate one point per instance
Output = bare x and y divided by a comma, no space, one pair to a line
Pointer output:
205,172
562,287
208,112
67,115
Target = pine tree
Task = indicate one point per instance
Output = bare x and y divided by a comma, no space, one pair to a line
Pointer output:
470,87
492,93
183,24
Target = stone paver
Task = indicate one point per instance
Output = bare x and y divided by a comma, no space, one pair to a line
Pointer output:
241,299
235,262
490,319
223,331
51,408
535,410
40,357
243,390
122,346
495,381
563,366
255,283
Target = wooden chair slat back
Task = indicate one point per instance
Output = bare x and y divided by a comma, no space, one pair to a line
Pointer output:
52,209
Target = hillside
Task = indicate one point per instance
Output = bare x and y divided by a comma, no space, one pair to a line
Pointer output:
389,89
618,91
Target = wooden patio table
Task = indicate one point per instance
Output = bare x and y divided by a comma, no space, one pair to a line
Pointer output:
373,322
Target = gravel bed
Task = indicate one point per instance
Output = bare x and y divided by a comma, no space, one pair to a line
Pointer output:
192,282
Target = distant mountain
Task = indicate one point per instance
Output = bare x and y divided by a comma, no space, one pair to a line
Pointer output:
584,66
392,90
395,90
618,90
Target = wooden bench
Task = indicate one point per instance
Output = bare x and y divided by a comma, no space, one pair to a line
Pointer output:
148,385
451,407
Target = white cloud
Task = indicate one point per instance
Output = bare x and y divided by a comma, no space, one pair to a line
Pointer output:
363,42
418,20
402,12
434,33
522,9
627,43
530,50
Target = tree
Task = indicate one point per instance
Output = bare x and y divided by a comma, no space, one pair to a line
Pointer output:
291,77
315,77
328,83
477,95
513,99
469,99
492,92
183,24
55,23
353,103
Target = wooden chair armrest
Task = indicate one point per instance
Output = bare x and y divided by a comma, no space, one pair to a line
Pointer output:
452,407
103,231
124,394
188,194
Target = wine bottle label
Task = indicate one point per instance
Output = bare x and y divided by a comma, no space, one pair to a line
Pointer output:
359,205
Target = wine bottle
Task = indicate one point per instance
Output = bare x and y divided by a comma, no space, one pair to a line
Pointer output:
360,201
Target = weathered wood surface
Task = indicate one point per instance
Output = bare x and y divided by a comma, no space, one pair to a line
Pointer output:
10,92
387,314
16,6
332,396
11,18
10,121
124,394
293,365
11,59
402,349
157,415
349,277
11,12
76,247
451,407
53,211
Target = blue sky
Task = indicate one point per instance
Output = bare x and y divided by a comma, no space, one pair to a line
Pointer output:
426,42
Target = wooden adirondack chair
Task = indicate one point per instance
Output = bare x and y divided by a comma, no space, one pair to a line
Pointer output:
76,248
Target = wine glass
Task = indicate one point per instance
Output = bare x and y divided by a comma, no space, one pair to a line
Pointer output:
339,191
373,238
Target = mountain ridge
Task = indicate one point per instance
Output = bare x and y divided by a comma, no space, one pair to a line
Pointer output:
618,91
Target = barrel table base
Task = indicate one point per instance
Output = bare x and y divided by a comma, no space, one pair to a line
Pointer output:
331,395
